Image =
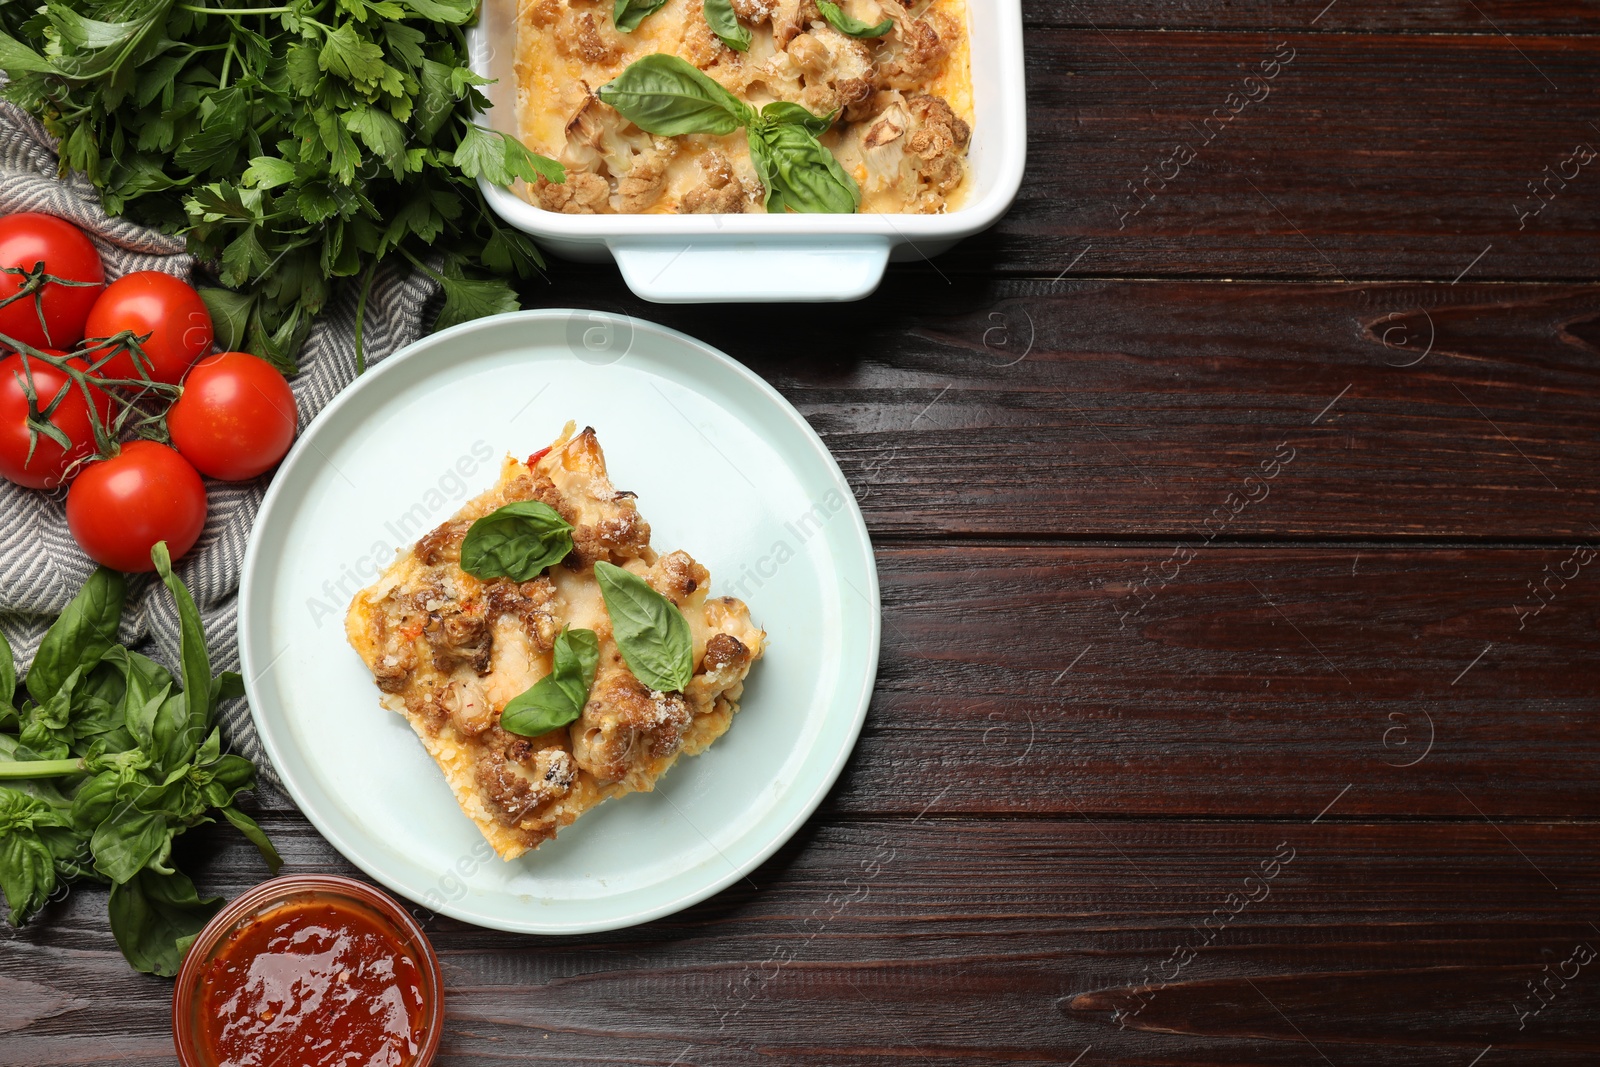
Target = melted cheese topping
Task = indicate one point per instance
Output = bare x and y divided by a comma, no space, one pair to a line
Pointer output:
567,49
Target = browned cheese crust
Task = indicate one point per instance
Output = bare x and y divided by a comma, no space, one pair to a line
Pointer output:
449,651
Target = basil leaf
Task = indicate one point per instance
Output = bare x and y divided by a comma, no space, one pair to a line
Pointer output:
27,867
194,660
47,730
155,917
141,678
725,24
95,799
849,26
210,752
557,698
799,172
85,632
27,874
629,13
516,541
665,95
783,111
173,742
255,835
230,776
766,165
8,676
650,631
229,685
124,847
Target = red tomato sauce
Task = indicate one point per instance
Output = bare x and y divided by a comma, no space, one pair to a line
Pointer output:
313,984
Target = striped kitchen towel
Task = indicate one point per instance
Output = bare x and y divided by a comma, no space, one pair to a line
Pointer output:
41,568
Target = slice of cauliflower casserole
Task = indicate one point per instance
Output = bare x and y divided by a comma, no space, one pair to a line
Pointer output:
449,651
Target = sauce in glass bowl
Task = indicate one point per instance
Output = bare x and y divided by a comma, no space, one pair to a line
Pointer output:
312,971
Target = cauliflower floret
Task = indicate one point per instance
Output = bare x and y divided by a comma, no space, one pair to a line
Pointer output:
594,133
624,724
579,33
914,146
544,13
721,193
778,75
700,46
790,17
787,17
939,142
605,150
583,193
836,69
881,143
916,50
643,178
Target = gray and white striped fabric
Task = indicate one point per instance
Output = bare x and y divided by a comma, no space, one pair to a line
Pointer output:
41,567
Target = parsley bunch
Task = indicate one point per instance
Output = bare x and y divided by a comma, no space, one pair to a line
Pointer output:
296,145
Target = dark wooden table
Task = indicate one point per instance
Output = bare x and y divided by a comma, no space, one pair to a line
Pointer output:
1238,701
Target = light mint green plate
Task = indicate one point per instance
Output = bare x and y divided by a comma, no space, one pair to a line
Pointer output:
724,468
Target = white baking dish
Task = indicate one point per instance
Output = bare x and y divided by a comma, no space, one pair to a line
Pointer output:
696,258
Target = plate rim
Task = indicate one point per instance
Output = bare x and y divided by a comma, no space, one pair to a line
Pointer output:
777,839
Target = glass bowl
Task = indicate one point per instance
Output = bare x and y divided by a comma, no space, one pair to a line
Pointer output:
389,916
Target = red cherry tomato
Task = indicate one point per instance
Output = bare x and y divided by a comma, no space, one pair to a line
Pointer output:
28,238
118,508
236,417
167,308
47,466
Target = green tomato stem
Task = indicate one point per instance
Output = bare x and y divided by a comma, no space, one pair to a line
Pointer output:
44,768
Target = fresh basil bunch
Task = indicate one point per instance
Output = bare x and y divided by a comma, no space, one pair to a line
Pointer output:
664,95
517,541
106,760
852,27
557,698
650,631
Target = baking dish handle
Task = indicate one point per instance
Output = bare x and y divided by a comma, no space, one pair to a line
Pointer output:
729,269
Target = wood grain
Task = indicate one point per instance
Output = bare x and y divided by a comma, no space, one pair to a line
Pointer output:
1342,16
977,942
1257,681
1124,409
1361,158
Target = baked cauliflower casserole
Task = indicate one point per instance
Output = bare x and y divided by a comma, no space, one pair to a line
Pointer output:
886,88
486,669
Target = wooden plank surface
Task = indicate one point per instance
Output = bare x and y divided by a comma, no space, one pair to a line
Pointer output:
1236,681
1133,409
1366,156
977,942
1514,17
